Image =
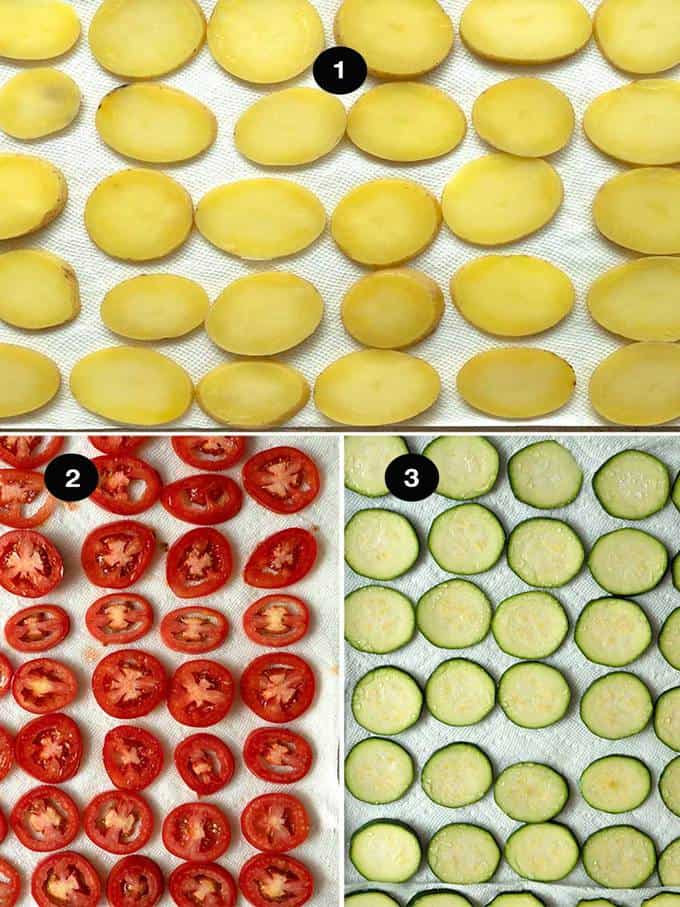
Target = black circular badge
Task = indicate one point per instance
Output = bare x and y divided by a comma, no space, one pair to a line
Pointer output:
340,70
412,477
71,477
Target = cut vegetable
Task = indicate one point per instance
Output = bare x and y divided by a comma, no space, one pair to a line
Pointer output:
438,897
667,718
37,103
34,192
545,475
669,639
385,851
545,552
638,385
461,854
616,706
466,539
675,571
628,562
530,792
669,865
386,701
457,775
530,625
378,771
669,786
258,394
533,695
612,632
154,307
467,465
516,899
640,210
378,619
380,544
37,290
616,784
632,485
619,857
39,30
639,36
454,614
369,899
35,380
366,459
542,852
460,693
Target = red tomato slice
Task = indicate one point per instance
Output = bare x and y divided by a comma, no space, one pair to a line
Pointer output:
133,757
66,879
45,818
5,674
278,686
50,748
129,683
118,821
203,500
135,881
44,685
196,831
276,620
117,554
211,452
19,489
3,828
201,693
37,628
6,754
194,630
202,885
30,565
205,763
10,884
119,618
277,755
199,563
275,823
117,444
281,560
127,485
275,879
29,451
282,479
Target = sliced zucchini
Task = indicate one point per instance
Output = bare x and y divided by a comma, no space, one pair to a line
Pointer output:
669,785
462,854
545,475
468,466
617,705
378,619
632,485
453,615
438,897
460,692
531,792
378,771
664,899
533,695
669,638
675,494
457,775
628,562
545,552
669,864
612,631
370,899
380,544
466,539
667,718
542,852
616,784
366,459
385,851
619,856
530,625
516,899
387,700
595,902
675,571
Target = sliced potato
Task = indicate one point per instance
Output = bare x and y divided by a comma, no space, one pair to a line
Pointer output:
139,215
392,309
154,307
376,387
145,39
527,117
640,210
31,380
264,314
38,102
258,394
638,385
500,198
512,295
37,290
265,42
639,36
33,193
516,383
37,29
131,385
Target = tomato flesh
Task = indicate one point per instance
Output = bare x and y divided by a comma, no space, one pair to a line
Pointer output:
65,879
119,618
205,763
19,490
210,452
275,879
133,757
116,555
129,683
278,686
29,451
50,748
196,831
282,479
276,620
37,628
10,884
5,674
275,823
201,693
3,827
6,752
203,500
44,685
120,478
135,881
118,444
277,755
281,560
45,819
120,822
30,565
194,630
199,563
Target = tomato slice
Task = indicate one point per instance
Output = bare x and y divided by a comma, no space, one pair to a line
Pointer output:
282,479
44,685
203,500
19,489
3,827
278,686
37,628
135,881
117,554
133,757
202,885
127,485
194,630
199,563
10,884
119,618
45,819
66,879
205,763
6,753
29,451
196,831
276,620
30,565
118,444
275,823
201,693
281,560
275,879
277,755
211,452
50,748
5,674
129,683
120,822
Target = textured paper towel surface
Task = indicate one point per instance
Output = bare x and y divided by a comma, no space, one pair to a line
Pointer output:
320,589
568,745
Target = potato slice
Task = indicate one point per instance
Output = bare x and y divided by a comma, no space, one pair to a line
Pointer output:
516,383
399,39
37,29
640,210
291,127
525,31
638,385
257,394
261,219
155,123
376,387
31,380
132,386
155,307
265,42
499,198
37,290
639,36
145,39
33,193
139,215
38,102
525,116
392,309
512,295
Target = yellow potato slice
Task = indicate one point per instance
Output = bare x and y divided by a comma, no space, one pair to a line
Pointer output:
376,387
392,309
640,210
499,198
639,36
265,41
261,219
30,380
525,31
516,383
139,215
264,314
145,39
155,307
155,123
638,385
512,295
38,102
399,39
291,127
132,386
386,222
37,29
32,192
525,116
37,290
258,394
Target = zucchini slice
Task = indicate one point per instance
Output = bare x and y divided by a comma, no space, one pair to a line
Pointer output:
628,562
632,485
531,792
617,705
460,692
545,552
533,695
663,899
516,899
453,615
380,544
385,851
675,494
530,625
669,785
667,718
616,784
468,465
378,771
387,700
457,775
669,639
669,864
466,539
378,620
542,852
462,854
366,459
619,856
612,632
675,571
438,897
595,902
370,899
545,475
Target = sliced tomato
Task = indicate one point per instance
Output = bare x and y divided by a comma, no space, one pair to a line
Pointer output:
199,563
119,618
201,693
205,763
211,452
3,827
50,748
277,755
10,884
44,685
117,554
203,500
127,485
135,881
118,444
6,671
276,620
6,752
45,818
278,686
66,879
282,479
118,821
202,885
19,490
196,831
281,560
129,683
29,451
275,879
30,565
133,757
194,630
37,628
275,823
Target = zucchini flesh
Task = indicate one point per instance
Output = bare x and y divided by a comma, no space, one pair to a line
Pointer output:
612,632
616,784
460,854
370,899
378,619
530,625
457,775
460,692
667,718
669,864
530,792
619,857
595,902
438,898
669,785
366,459
466,539
632,485
545,475
533,695
453,615
516,899
675,494
542,852
617,705
378,771
468,465
664,899
545,552
385,851
380,544
628,562
675,571
387,700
